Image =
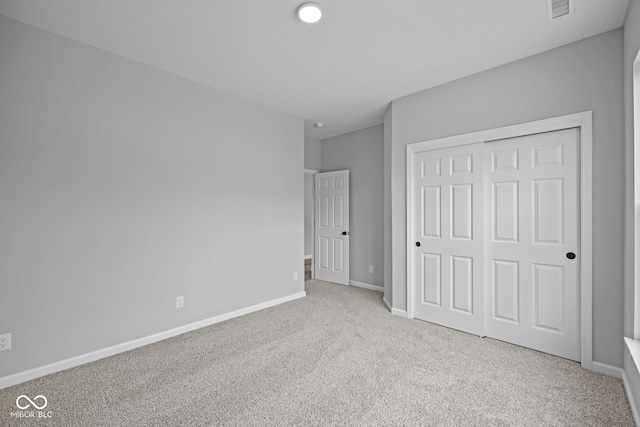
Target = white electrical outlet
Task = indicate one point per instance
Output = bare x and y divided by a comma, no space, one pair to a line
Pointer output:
179,302
295,276
5,342
371,269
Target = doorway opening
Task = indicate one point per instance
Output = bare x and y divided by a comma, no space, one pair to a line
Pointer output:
309,232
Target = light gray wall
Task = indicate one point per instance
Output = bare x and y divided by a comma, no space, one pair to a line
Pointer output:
123,187
361,153
586,75
387,152
312,153
308,214
631,48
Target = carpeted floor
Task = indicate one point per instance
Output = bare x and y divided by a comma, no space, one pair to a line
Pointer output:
336,357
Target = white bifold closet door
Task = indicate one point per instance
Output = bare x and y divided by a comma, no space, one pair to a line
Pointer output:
496,235
533,242
448,247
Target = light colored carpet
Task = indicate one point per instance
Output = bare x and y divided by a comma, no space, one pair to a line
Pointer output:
336,357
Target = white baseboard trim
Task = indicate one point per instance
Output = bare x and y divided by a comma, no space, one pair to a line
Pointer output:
398,312
394,311
366,286
384,300
632,403
603,368
41,371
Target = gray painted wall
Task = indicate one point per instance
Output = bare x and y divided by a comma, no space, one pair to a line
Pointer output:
123,187
361,153
586,75
631,48
387,151
312,153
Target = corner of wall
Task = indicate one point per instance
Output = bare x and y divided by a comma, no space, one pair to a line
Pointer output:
387,144
631,376
312,153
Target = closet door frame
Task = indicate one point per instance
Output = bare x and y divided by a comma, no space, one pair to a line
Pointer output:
583,121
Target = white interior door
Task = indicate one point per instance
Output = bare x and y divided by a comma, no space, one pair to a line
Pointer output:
332,227
495,247
533,229
447,249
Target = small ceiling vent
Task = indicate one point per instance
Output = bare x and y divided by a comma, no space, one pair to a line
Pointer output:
559,8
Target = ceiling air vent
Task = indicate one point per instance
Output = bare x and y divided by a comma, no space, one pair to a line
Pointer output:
559,8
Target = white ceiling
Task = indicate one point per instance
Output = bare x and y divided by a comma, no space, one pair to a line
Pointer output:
345,69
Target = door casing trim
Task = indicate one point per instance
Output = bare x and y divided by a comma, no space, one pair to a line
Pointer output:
581,120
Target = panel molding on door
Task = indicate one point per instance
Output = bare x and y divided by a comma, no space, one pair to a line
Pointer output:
448,258
332,226
534,220
503,274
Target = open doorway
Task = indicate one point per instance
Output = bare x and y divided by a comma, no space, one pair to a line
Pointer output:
309,236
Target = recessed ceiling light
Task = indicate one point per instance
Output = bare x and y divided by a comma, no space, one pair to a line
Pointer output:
309,12
318,124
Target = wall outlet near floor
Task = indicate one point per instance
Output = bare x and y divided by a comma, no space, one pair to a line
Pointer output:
5,342
295,276
371,269
179,302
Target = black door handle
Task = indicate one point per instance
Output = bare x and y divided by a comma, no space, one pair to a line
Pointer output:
571,255
344,233
417,243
